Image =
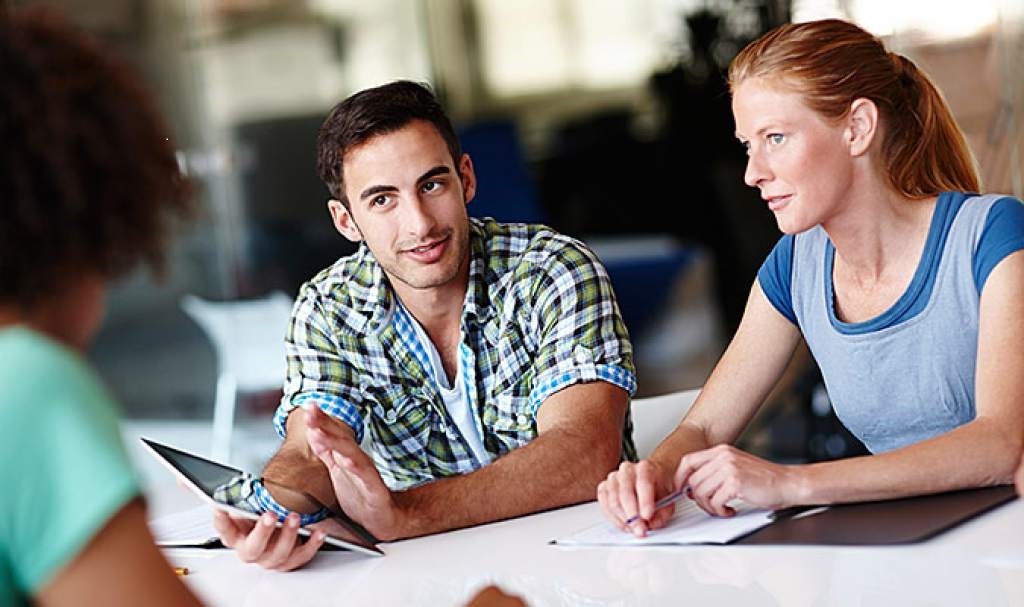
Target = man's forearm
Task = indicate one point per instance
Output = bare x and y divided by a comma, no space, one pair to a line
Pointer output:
295,476
298,483
558,468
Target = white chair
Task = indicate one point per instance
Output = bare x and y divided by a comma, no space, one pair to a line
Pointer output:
654,417
248,340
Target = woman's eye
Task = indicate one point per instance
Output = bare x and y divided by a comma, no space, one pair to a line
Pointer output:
775,138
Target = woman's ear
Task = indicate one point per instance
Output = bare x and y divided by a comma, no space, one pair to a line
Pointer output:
343,221
861,126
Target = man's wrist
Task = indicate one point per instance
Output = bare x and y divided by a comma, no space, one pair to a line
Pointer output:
406,521
290,499
285,501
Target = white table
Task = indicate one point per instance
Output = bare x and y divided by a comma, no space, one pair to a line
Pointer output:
978,563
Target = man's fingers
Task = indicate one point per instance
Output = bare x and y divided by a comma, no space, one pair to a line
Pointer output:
232,531
305,552
331,427
277,553
252,549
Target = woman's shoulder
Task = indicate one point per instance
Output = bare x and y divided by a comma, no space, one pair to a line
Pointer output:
39,369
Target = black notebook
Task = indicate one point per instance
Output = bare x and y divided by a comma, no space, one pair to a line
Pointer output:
900,521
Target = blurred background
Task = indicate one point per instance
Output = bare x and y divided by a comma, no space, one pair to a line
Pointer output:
606,119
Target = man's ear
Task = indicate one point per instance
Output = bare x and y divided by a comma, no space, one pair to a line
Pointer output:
343,221
468,178
861,126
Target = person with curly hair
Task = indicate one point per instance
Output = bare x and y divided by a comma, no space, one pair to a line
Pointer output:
89,187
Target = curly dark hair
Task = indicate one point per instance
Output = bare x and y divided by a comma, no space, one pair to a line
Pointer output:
371,112
88,176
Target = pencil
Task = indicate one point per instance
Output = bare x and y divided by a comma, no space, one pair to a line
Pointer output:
181,570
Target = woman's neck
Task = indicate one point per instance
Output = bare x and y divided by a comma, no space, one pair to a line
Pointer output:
878,231
70,317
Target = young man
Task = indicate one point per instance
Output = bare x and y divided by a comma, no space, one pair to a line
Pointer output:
488,362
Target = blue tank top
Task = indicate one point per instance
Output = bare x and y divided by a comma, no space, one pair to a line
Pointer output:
903,376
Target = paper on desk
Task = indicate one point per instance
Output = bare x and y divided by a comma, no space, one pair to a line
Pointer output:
193,527
689,525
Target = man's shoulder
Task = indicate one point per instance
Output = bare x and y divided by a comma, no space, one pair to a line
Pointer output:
522,246
349,284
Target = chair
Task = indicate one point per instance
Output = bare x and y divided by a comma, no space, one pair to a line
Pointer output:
654,417
248,341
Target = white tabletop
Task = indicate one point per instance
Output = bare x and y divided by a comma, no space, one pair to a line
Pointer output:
978,563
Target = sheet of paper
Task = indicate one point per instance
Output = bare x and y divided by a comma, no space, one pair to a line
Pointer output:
192,527
689,525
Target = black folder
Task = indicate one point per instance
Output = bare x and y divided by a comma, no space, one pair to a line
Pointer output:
900,521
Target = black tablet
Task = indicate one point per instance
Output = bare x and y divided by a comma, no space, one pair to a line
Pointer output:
204,477
897,521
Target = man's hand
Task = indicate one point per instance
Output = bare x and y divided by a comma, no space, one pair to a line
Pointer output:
264,543
358,487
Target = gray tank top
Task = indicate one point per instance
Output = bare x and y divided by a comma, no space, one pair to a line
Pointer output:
911,381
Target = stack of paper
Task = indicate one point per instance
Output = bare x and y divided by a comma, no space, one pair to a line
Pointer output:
190,528
689,525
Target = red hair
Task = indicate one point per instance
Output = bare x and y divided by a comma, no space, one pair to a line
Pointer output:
831,63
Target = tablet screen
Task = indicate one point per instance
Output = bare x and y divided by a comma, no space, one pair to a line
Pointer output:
208,476
205,474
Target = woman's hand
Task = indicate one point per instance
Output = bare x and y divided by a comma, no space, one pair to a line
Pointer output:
632,491
718,475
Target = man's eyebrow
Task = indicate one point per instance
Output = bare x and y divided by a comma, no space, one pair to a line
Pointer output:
376,189
434,172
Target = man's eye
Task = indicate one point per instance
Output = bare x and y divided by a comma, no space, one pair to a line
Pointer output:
379,201
775,138
429,186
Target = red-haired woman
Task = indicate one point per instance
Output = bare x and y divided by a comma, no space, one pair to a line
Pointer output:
907,286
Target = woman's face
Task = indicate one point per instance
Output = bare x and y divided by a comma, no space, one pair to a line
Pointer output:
800,162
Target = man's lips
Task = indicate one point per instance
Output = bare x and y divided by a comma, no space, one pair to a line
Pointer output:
428,252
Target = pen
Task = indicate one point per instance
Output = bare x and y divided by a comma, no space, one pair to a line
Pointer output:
181,570
665,501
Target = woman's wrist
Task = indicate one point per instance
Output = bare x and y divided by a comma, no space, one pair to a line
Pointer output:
799,485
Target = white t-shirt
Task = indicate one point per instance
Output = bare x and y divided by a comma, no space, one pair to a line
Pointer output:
453,394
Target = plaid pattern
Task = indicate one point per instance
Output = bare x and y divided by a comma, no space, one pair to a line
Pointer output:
247,492
539,315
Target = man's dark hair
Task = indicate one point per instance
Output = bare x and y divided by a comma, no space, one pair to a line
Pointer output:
373,112
88,177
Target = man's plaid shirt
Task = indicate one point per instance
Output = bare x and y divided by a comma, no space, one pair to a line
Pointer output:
539,315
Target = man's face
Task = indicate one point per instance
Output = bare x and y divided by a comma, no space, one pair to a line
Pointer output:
408,202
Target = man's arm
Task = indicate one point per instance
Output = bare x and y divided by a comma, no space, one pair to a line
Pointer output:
579,443
295,474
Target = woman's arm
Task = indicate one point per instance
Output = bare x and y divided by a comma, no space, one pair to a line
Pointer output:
121,565
982,452
752,364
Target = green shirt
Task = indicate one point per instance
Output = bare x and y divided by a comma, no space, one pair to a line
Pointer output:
65,472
